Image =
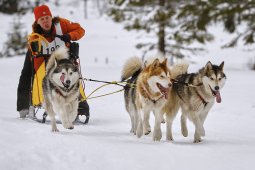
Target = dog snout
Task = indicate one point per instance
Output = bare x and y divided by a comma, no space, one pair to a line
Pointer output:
68,82
216,87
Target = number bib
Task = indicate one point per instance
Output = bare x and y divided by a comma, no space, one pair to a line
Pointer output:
55,44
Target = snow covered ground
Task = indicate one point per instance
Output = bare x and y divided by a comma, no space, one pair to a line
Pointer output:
105,143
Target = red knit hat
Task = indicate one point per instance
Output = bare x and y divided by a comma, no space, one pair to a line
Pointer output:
41,11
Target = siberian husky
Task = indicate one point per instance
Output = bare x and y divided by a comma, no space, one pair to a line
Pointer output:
197,93
146,90
61,89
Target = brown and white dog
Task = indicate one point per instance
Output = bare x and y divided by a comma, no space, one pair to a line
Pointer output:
152,82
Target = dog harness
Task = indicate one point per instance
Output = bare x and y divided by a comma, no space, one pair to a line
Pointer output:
202,99
148,95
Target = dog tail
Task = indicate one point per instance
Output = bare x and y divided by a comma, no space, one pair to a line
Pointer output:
178,69
59,54
131,66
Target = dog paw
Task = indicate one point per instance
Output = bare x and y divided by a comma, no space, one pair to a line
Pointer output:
197,140
157,136
147,132
169,138
163,121
71,127
139,132
54,130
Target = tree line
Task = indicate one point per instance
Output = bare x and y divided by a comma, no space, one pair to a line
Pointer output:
176,24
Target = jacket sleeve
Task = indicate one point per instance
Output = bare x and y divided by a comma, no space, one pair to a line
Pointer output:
75,31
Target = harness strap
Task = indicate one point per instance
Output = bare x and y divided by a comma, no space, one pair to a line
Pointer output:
149,97
202,99
187,84
59,92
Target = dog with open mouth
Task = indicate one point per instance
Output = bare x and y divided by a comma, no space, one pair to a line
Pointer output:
197,93
147,90
61,89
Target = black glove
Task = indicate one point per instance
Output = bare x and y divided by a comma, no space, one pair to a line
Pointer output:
65,37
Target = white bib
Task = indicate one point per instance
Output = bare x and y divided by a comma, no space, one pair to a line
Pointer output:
55,44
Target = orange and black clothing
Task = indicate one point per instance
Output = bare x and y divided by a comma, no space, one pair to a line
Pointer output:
72,30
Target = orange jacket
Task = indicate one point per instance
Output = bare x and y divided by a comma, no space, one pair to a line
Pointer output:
75,31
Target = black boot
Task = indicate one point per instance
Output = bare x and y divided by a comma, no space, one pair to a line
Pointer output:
84,110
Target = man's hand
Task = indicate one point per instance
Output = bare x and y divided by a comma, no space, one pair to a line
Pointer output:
65,37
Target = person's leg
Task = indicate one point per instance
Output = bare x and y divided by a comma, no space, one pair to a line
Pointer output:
24,86
84,110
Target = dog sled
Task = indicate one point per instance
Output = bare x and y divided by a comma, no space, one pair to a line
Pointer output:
39,61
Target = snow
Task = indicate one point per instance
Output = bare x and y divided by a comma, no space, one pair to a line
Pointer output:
105,143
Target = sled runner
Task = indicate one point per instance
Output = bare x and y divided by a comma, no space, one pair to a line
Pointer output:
39,62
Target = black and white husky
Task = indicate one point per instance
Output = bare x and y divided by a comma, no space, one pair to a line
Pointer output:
197,93
61,89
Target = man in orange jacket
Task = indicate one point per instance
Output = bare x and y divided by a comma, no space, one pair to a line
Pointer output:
48,27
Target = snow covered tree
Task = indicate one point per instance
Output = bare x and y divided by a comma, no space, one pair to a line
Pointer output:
99,5
17,40
232,14
15,6
157,18
177,24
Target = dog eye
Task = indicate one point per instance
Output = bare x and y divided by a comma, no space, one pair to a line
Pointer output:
162,76
71,73
211,78
219,79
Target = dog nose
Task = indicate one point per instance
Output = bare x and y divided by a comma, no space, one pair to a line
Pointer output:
68,81
216,87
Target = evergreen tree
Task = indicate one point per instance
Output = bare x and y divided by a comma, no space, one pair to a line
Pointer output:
158,18
15,6
179,23
231,13
17,40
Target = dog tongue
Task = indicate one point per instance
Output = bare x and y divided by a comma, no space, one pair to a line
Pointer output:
62,78
166,93
218,97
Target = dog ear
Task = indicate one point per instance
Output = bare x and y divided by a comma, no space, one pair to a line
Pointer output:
165,61
155,63
208,65
222,65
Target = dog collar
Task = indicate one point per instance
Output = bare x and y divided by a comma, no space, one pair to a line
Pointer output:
59,92
148,95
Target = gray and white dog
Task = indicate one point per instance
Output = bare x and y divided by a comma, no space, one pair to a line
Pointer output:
61,89
197,93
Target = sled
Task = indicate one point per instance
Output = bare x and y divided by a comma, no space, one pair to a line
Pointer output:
39,72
